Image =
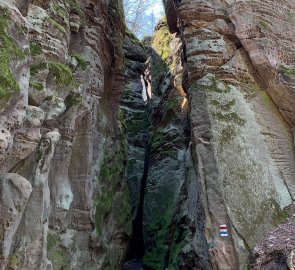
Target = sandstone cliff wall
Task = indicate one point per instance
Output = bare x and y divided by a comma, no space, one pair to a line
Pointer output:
115,151
237,67
61,140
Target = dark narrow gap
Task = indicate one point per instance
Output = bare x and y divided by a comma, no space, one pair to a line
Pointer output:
136,249
137,243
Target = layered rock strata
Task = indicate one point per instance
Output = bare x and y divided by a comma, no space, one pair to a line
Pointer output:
62,148
134,110
173,226
237,66
106,159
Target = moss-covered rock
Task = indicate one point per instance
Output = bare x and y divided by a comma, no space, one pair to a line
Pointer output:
57,25
82,62
9,50
56,254
161,60
36,85
156,231
62,73
252,188
114,200
35,48
76,9
288,71
37,67
73,99
103,204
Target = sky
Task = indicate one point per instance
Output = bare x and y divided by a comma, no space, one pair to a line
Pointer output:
157,8
150,13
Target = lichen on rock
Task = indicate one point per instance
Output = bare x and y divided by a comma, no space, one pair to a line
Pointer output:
117,153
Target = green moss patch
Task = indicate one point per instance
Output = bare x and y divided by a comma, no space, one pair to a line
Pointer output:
82,63
288,71
157,239
172,104
132,37
35,48
234,117
8,50
226,106
109,171
161,61
15,260
154,256
62,73
227,135
104,205
73,99
112,257
263,24
177,245
56,25
76,9
59,10
157,140
36,85
56,254
122,210
117,7
161,41
35,68
114,200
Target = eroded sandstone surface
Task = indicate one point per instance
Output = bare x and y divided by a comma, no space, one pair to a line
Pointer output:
238,66
61,81
120,154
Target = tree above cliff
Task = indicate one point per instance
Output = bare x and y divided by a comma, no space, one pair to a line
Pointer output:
141,16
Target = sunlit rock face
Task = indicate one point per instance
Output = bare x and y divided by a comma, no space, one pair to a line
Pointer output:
61,145
115,154
172,224
239,77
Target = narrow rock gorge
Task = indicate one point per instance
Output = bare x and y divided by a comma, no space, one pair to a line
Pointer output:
117,153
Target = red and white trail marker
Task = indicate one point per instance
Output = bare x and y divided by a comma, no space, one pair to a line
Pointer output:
223,230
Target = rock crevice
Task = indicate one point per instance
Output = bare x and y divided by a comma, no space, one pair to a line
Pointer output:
115,154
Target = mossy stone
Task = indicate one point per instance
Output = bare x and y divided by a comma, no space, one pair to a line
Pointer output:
36,85
8,50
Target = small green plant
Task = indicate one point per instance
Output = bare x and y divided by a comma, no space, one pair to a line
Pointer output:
56,25
35,48
73,99
62,73
82,63
13,261
288,71
36,85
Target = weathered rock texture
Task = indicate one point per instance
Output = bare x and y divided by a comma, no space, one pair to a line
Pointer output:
276,251
173,229
61,80
238,74
17,191
96,173
134,112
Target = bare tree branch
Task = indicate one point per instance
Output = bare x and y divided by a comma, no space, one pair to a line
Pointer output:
139,16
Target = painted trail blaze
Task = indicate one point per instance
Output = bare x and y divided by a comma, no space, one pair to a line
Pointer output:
223,230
